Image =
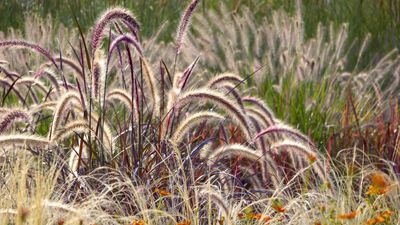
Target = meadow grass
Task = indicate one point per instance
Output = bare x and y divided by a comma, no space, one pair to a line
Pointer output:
111,128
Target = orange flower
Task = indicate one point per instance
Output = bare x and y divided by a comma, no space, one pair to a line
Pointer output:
378,180
312,158
256,216
317,223
162,192
379,184
347,216
185,222
371,221
138,222
380,219
375,190
60,221
278,207
386,213
241,215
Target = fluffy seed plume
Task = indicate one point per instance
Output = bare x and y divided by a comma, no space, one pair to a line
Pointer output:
128,39
151,82
43,106
306,154
235,150
292,145
286,130
217,199
111,15
125,98
184,24
23,140
261,105
222,78
5,84
219,99
99,73
80,126
192,121
11,117
69,97
122,95
28,81
28,45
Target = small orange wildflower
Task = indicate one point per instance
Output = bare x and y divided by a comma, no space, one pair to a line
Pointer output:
162,192
278,207
386,213
312,158
375,190
138,222
60,221
378,180
380,219
371,221
257,216
241,215
185,222
379,184
347,216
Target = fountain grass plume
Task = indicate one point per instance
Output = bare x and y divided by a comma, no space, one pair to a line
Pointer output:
262,118
114,14
80,126
99,74
221,100
125,98
31,82
234,150
217,199
10,74
24,140
285,129
151,82
184,24
222,78
269,168
192,121
6,84
12,116
262,106
305,152
62,104
125,38
231,89
28,45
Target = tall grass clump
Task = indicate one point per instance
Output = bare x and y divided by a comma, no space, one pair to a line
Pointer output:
310,81
107,135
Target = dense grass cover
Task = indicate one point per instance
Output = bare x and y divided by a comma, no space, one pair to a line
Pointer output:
111,128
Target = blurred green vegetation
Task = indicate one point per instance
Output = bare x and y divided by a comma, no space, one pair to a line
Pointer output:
381,18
